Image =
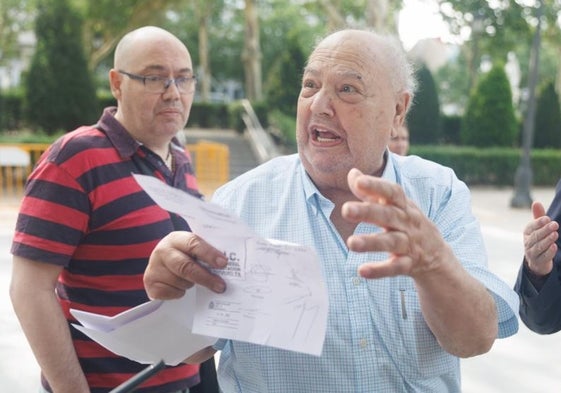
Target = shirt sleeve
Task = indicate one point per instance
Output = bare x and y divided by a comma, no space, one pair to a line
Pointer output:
540,308
462,231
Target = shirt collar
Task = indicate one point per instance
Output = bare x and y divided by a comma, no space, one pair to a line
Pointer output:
125,144
318,201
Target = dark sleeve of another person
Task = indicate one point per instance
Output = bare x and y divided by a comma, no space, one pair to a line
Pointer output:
540,303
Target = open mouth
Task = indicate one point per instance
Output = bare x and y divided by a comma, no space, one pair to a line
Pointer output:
324,136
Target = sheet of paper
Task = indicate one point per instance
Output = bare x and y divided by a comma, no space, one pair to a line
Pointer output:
149,332
275,295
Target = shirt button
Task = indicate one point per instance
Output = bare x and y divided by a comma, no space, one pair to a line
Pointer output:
363,343
356,281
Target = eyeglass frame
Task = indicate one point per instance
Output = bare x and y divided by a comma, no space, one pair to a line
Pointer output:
167,81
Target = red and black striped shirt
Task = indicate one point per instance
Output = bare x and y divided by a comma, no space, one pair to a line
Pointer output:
84,211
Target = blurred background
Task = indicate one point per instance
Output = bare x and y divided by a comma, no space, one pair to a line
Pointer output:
487,106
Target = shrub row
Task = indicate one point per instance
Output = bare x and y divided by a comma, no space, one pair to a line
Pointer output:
203,115
493,166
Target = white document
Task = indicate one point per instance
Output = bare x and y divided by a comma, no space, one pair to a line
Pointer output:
275,294
153,331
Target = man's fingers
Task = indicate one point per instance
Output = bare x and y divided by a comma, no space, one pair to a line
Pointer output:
198,249
376,190
179,261
390,268
393,242
538,210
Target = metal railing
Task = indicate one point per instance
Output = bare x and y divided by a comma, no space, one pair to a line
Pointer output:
261,142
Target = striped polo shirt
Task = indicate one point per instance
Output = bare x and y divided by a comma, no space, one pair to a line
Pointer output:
84,211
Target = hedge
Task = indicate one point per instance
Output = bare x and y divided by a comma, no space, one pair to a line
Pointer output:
493,166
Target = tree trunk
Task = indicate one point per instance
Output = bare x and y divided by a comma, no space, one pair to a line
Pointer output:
204,76
377,15
251,56
334,18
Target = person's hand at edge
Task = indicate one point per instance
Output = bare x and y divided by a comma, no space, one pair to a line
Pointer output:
540,236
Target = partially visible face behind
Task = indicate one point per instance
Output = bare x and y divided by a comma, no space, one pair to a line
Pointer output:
152,117
346,109
399,143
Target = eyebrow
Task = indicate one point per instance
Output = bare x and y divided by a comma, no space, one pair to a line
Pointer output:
344,74
157,67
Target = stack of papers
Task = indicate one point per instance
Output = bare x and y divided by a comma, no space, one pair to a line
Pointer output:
275,294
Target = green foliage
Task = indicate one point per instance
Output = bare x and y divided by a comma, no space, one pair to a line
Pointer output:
490,119
16,137
208,115
423,118
11,109
285,78
451,126
453,86
284,127
493,166
16,16
60,94
547,129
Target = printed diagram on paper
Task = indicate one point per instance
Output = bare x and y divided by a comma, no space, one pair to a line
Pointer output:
276,294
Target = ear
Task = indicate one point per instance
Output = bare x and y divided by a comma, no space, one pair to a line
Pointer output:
401,107
115,80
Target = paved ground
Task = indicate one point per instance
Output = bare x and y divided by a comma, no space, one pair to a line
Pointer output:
525,363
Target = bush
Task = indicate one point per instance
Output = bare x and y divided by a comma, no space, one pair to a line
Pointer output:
285,78
495,166
547,131
11,110
423,119
490,119
451,126
60,93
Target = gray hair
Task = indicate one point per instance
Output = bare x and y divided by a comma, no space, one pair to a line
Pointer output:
401,69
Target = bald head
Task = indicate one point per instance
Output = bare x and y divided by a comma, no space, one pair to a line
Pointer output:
383,51
139,40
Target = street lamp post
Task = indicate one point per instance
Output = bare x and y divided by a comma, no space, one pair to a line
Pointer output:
523,176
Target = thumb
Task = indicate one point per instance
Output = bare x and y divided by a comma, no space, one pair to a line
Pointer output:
538,210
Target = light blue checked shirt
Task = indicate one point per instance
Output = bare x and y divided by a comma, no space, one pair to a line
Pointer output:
377,339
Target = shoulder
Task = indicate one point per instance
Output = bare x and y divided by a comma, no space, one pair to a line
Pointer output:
265,181
431,185
267,173
82,139
415,167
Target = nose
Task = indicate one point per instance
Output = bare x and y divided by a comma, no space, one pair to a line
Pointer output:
172,91
322,103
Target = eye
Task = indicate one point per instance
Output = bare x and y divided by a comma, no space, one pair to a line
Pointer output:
308,84
309,87
348,89
155,78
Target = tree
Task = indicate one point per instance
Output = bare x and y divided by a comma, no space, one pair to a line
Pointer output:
251,55
285,78
548,119
423,118
495,28
16,16
108,21
490,119
60,93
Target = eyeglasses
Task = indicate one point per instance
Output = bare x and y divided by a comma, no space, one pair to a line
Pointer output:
159,84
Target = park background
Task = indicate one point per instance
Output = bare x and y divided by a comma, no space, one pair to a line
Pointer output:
487,106
488,70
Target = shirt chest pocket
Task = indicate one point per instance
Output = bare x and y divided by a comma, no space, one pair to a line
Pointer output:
420,354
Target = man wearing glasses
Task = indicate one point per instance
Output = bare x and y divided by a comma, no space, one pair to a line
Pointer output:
85,229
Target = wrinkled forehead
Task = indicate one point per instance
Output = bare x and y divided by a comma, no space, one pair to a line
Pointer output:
346,58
